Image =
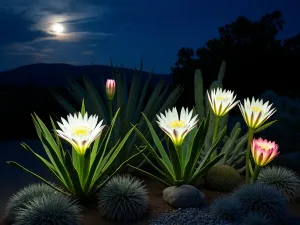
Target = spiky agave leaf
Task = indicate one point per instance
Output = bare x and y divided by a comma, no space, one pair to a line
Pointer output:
50,209
123,199
25,195
283,179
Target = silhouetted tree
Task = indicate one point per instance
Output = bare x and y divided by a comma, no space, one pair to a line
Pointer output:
256,60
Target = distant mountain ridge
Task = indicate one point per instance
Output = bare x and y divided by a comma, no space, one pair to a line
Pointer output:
57,74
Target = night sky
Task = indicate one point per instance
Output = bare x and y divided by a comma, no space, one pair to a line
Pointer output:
125,30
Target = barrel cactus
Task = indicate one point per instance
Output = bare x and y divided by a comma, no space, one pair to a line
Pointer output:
255,219
25,195
123,199
263,199
226,208
223,178
283,179
52,209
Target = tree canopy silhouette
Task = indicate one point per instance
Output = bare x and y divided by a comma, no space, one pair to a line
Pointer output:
256,59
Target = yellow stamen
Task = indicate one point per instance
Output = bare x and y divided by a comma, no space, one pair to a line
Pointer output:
220,98
177,123
256,109
265,146
80,130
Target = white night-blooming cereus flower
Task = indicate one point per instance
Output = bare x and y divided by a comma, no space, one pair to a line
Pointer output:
221,101
177,127
255,113
80,131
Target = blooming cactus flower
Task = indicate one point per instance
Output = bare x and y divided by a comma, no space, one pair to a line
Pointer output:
80,131
263,151
177,127
221,101
110,88
255,113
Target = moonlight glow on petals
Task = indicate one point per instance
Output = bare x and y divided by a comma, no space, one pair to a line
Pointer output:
80,131
221,101
175,126
255,113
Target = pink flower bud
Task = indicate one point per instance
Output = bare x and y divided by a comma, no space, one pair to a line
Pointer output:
110,88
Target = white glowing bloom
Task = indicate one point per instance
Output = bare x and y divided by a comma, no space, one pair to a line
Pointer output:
80,131
177,127
255,113
221,101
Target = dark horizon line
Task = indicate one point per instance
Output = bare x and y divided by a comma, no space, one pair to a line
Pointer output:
83,65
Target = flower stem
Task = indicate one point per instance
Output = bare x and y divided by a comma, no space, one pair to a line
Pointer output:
84,164
80,167
176,161
217,123
250,137
110,110
256,172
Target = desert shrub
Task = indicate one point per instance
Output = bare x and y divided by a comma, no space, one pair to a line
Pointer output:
226,209
123,199
222,178
262,199
25,195
54,209
283,179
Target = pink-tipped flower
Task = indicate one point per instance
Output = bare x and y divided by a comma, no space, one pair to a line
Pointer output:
110,88
263,151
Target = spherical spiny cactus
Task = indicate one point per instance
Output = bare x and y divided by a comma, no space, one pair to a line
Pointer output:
55,209
255,219
283,179
123,199
226,209
262,199
25,195
222,178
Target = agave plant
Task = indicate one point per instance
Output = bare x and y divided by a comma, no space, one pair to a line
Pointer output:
233,143
180,165
83,170
132,102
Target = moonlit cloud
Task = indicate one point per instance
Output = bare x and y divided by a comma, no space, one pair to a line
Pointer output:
72,37
87,53
28,31
41,15
48,50
93,45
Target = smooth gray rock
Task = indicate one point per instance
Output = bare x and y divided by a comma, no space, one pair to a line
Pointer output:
184,196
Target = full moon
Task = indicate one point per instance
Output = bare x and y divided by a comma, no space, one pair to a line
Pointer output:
57,28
